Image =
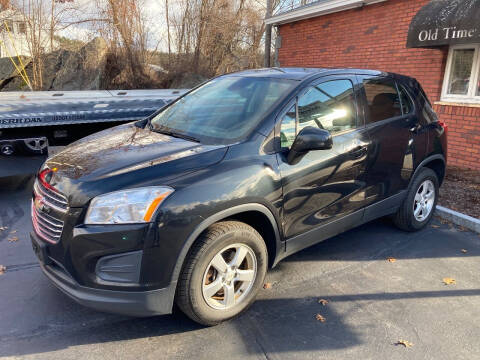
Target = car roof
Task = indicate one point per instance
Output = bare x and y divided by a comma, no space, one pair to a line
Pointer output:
301,74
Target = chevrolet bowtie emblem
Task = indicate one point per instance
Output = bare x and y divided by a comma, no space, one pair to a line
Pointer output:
39,203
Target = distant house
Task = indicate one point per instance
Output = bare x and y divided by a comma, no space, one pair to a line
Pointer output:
13,34
15,43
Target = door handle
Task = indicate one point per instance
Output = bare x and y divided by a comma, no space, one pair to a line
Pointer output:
358,151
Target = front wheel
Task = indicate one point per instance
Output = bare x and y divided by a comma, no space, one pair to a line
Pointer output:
223,273
420,203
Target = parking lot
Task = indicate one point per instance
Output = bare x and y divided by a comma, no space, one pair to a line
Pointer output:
372,302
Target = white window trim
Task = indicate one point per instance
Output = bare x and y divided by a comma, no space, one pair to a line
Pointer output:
471,97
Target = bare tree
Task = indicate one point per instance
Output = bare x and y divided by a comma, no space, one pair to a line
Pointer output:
123,24
4,4
214,36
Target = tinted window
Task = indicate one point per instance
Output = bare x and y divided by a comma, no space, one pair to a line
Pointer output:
382,98
329,105
427,111
288,128
407,105
223,110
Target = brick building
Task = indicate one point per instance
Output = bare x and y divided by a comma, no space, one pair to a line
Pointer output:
443,52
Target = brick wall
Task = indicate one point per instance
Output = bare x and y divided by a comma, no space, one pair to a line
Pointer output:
375,37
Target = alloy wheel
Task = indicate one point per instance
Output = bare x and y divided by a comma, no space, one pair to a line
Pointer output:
424,200
229,276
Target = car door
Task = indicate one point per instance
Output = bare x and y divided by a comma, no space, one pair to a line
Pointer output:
325,185
396,142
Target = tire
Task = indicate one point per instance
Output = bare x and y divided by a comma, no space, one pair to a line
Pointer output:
405,218
200,276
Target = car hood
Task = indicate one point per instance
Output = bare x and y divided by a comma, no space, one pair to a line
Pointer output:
123,157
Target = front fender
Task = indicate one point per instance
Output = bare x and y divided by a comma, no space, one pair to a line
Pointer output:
234,186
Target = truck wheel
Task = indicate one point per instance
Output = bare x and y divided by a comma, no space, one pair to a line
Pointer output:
419,205
7,150
223,272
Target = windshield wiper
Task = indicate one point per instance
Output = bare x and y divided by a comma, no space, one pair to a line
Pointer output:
167,131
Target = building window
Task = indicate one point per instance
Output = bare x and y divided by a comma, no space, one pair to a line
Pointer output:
22,27
462,74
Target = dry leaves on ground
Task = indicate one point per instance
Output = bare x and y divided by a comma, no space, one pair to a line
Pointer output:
13,239
405,343
3,228
267,285
391,259
320,318
449,281
435,226
464,251
2,269
13,232
323,302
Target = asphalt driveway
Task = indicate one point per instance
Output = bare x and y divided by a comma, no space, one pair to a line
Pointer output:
372,302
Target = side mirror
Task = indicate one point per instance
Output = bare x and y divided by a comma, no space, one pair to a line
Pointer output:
309,138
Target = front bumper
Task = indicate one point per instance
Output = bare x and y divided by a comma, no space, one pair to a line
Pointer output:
132,303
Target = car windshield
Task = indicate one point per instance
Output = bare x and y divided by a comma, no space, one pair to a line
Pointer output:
222,111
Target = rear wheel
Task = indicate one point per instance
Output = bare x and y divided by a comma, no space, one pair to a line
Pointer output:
223,273
419,205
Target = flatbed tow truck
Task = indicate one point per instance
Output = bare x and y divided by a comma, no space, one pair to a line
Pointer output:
31,122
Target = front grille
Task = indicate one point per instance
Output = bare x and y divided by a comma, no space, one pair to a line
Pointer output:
48,210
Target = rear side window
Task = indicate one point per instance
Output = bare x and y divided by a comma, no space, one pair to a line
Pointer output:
427,111
382,98
407,104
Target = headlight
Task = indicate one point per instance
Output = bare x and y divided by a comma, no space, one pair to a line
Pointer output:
127,206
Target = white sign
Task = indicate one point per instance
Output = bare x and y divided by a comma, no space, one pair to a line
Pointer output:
447,33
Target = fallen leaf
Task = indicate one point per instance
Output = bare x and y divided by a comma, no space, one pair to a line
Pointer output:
2,228
464,251
435,226
391,259
405,343
2,269
323,302
13,231
320,318
449,281
13,239
267,285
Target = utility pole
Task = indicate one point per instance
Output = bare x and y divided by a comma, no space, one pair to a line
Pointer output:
268,35
168,30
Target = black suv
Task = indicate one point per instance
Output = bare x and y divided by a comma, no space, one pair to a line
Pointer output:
194,203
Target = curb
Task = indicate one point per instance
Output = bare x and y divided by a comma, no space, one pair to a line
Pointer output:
458,218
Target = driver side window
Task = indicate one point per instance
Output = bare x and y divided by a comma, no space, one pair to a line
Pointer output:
329,105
